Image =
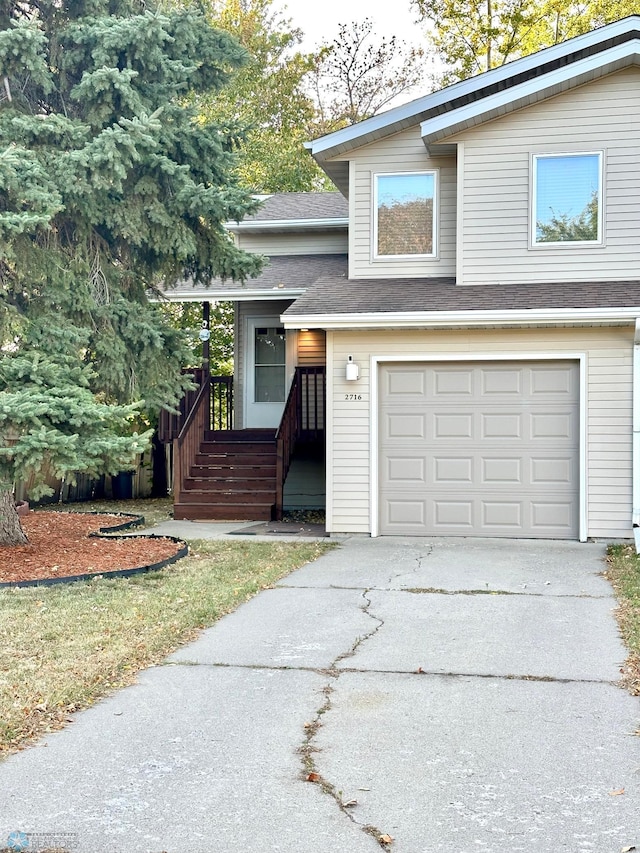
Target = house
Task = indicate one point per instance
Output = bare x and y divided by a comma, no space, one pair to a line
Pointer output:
479,272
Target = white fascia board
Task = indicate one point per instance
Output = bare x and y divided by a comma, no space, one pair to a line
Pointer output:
444,125
287,224
353,136
466,319
230,295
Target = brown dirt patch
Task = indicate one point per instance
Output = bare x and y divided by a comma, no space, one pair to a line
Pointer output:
59,546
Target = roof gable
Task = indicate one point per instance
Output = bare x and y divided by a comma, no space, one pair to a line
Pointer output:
442,113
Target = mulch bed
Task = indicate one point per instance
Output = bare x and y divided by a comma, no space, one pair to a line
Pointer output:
60,546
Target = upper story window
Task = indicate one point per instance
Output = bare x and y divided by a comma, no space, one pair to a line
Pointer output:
404,214
567,199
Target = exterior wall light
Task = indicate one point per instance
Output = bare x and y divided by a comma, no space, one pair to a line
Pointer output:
353,371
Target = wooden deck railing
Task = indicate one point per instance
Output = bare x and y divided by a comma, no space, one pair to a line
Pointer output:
221,410
303,418
220,407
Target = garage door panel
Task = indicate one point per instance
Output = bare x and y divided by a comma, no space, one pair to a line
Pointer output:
453,381
499,382
502,425
502,462
453,425
501,515
550,380
552,425
453,514
406,426
501,470
405,469
403,512
448,469
545,470
406,383
550,515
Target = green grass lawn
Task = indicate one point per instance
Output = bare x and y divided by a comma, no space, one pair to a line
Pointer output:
63,647
154,510
623,571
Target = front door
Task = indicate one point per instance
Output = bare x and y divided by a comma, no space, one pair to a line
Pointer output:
266,372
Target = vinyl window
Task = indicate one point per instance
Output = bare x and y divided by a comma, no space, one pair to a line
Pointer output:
567,199
405,215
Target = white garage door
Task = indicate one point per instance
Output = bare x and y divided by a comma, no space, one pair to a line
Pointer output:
482,449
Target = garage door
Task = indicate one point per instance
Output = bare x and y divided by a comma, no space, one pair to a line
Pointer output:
482,449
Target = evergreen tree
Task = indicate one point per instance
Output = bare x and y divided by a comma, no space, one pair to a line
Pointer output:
111,184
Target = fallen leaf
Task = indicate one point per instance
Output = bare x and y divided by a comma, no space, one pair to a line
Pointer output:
420,671
313,777
629,848
385,839
349,803
616,793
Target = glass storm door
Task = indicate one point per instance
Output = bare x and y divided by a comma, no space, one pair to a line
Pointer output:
266,372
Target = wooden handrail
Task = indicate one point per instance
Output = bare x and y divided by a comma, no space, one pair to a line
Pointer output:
303,415
187,444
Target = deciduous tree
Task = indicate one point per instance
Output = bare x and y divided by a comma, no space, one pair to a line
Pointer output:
268,96
356,77
472,37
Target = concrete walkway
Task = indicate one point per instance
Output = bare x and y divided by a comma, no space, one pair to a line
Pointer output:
454,695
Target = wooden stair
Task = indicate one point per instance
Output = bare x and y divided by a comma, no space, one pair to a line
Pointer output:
233,478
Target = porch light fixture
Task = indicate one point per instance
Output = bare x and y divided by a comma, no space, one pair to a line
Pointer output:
204,334
353,371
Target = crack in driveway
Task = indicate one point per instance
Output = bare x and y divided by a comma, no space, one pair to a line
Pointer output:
308,749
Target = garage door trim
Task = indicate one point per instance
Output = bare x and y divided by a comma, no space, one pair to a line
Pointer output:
376,362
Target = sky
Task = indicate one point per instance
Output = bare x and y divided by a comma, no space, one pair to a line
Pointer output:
319,20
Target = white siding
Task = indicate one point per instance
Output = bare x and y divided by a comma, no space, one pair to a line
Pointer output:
334,242
404,152
494,239
608,427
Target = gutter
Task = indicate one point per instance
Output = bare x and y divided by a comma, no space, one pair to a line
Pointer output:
287,224
236,295
462,319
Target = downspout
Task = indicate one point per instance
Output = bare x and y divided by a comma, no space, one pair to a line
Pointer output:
636,438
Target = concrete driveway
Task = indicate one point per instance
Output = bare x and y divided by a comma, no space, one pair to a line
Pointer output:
453,695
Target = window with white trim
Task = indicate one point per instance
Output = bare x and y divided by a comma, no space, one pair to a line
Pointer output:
405,215
567,199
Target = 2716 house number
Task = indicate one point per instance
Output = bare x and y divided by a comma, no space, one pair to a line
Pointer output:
353,398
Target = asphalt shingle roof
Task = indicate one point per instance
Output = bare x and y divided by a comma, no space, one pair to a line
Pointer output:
283,272
331,295
282,206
